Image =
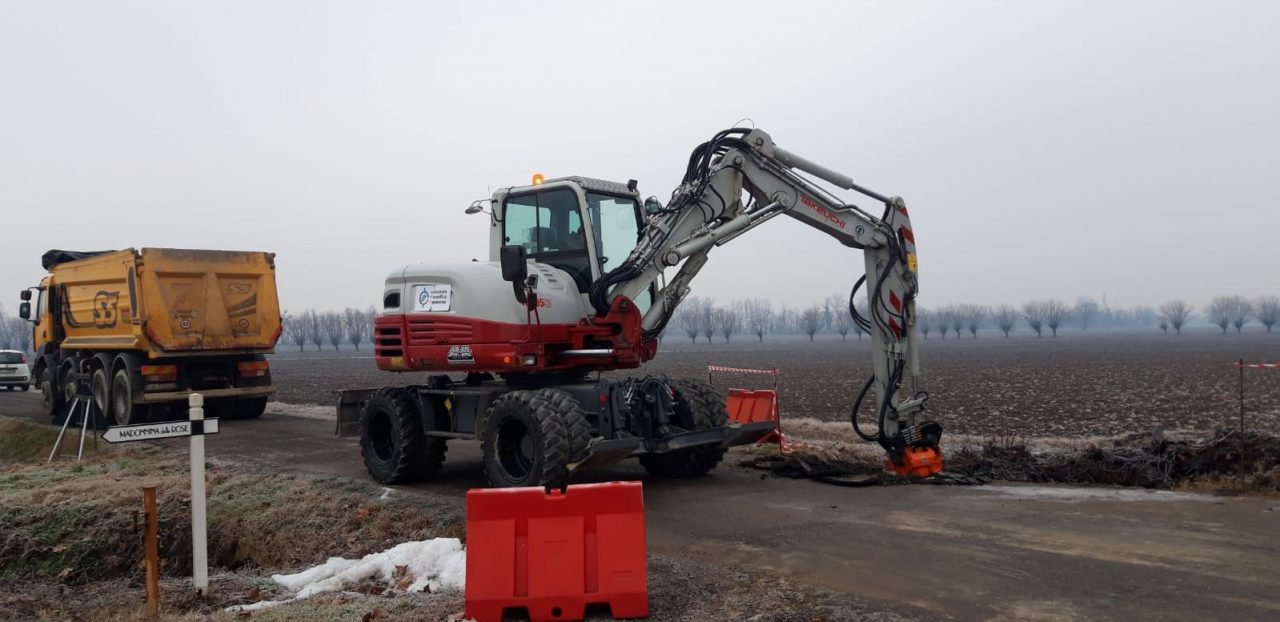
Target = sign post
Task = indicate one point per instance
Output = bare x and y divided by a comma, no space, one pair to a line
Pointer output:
196,426
199,535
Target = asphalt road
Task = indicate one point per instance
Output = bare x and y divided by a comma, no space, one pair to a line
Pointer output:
972,553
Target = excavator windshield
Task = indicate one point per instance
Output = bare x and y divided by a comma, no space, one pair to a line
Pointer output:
617,227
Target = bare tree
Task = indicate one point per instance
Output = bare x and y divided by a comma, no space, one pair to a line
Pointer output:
1006,317
1227,311
707,319
726,321
1055,313
689,316
1086,309
1241,312
332,328
924,321
942,319
1220,312
1033,312
972,317
315,329
295,327
1174,313
356,326
758,315
841,320
956,315
1164,325
1267,309
811,321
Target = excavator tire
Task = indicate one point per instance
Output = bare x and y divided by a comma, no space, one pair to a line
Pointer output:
575,421
391,440
526,442
698,406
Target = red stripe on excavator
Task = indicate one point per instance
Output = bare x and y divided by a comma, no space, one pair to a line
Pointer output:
895,301
897,330
907,235
903,211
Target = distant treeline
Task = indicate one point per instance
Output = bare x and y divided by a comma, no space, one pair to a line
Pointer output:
703,318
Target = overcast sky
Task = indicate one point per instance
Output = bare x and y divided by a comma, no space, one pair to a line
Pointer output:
1125,149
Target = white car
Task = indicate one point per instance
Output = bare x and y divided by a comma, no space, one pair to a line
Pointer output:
14,371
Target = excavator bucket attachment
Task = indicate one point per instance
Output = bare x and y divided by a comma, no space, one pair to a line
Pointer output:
746,406
918,462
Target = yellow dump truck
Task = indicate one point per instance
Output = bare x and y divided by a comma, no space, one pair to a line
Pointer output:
149,327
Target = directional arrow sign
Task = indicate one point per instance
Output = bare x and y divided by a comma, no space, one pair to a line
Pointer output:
152,431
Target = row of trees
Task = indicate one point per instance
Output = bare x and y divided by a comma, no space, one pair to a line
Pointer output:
703,318
332,328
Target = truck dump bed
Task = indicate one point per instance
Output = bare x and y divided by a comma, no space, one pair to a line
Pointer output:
168,301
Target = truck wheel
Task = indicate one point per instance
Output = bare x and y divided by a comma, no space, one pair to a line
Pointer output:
250,407
525,442
123,410
698,406
101,388
51,394
391,440
575,421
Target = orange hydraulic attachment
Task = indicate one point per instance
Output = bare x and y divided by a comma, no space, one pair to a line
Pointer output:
752,406
747,406
553,553
918,462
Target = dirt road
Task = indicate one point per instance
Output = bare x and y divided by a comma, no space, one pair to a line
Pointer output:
992,552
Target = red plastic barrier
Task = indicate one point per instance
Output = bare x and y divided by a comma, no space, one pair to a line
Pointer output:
553,554
746,406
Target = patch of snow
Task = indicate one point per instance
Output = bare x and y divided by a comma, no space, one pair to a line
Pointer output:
436,564
386,494
1068,493
306,411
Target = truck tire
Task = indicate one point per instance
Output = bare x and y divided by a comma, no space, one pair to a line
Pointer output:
698,406
123,410
250,407
101,387
575,421
525,442
391,440
51,394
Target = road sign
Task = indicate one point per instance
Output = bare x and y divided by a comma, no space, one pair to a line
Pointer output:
153,431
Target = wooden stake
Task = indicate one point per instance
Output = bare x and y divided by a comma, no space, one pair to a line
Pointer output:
153,552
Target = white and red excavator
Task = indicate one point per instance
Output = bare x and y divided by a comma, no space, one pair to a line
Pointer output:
576,283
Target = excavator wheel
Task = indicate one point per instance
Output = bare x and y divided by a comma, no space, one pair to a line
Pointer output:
575,421
526,442
391,440
698,406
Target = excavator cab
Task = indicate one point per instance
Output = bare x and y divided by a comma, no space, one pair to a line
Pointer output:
583,226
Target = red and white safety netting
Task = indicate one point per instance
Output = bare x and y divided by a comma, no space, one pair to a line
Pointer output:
1239,365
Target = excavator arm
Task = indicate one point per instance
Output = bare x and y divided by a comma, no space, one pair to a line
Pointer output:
708,210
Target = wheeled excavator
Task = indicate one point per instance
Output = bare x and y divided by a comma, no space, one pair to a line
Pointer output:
576,284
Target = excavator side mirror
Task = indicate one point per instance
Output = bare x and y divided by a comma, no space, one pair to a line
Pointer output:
24,310
515,267
25,294
652,206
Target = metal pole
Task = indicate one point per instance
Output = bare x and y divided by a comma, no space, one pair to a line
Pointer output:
153,551
199,537
58,443
1241,365
84,428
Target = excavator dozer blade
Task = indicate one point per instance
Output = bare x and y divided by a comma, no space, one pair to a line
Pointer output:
606,453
